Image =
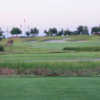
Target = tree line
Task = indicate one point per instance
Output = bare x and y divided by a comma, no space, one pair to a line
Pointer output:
54,31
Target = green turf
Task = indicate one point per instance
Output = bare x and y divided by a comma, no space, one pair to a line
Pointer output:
49,88
79,56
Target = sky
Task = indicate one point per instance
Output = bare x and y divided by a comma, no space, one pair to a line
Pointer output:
49,13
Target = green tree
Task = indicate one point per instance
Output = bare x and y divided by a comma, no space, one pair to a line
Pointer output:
85,30
82,30
60,33
27,33
47,33
51,32
1,32
16,31
67,32
34,31
96,30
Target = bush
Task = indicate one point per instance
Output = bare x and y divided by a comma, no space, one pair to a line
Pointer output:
82,49
1,48
0,38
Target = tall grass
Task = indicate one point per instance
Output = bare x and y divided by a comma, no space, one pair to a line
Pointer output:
52,65
59,68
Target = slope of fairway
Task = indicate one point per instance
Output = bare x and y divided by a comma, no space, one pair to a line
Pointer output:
49,88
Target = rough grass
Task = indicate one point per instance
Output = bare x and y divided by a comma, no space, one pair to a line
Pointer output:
55,68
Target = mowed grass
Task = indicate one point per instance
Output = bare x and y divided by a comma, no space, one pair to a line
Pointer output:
28,50
49,88
52,57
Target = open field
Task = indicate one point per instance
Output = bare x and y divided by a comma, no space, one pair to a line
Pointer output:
41,69
49,88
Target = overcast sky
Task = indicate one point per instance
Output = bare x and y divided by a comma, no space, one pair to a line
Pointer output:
50,13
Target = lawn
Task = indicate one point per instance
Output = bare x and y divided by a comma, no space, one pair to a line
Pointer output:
49,88
77,56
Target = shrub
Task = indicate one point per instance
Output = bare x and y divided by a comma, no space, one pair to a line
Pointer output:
82,48
1,48
1,38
